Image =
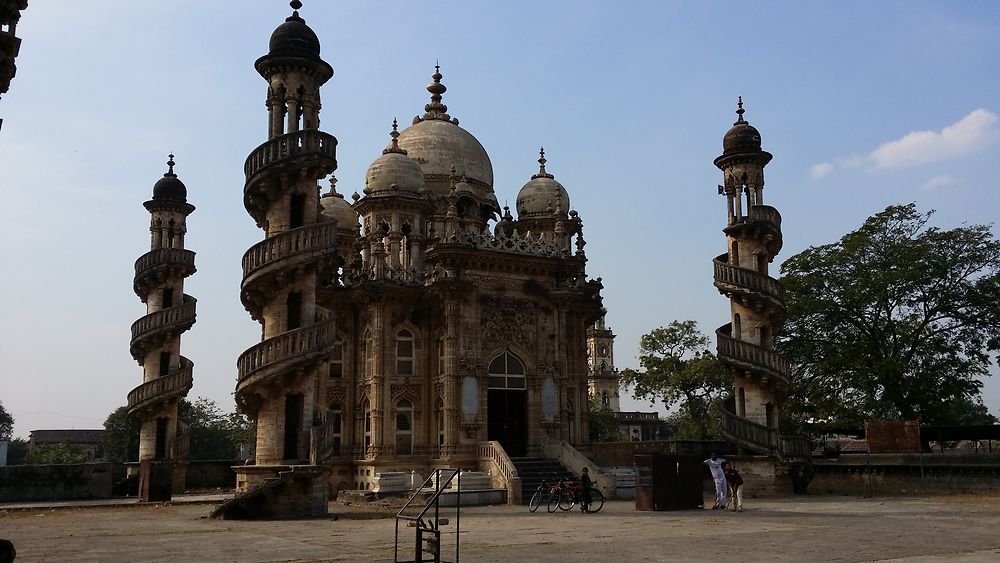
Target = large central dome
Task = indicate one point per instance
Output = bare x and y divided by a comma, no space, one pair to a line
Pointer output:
443,149
437,145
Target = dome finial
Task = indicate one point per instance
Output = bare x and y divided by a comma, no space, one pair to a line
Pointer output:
541,165
333,186
170,166
296,6
739,110
436,109
395,140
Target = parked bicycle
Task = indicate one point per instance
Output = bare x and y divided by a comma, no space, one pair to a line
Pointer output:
572,494
545,492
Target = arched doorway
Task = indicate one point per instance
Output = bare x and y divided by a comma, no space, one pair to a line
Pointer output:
507,405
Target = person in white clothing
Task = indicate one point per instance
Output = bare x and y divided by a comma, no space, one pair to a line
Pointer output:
714,463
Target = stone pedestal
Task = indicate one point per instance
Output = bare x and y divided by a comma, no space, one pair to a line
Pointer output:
391,482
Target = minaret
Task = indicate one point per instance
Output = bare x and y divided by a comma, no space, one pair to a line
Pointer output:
753,236
602,376
278,382
156,337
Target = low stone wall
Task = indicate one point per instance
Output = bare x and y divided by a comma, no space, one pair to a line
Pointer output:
211,474
20,483
622,454
908,474
762,477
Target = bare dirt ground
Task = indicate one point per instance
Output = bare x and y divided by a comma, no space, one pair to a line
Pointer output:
814,528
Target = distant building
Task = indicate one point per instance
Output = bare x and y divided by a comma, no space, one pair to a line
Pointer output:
603,384
89,441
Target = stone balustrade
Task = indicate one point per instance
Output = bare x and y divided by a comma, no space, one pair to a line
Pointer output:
174,384
299,344
160,258
766,214
305,142
752,357
307,240
747,279
180,317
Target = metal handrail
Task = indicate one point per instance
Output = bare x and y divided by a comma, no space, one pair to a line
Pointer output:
433,502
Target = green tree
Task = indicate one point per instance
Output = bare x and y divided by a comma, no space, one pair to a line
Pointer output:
214,433
6,424
896,320
678,369
17,452
120,441
601,420
58,453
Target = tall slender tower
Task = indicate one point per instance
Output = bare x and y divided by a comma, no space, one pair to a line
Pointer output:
278,382
757,308
602,376
156,337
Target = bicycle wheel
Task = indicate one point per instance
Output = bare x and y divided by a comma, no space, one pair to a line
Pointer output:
567,500
536,499
554,501
596,501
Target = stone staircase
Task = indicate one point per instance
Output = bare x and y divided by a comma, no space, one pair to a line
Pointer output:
534,470
296,492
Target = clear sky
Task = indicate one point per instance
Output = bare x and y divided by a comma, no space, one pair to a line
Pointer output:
863,104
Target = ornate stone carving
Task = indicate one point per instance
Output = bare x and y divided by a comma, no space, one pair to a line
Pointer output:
400,390
507,321
336,395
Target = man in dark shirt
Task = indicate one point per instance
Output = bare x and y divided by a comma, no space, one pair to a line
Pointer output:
735,484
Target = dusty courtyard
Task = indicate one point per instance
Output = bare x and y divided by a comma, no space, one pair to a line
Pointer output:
955,529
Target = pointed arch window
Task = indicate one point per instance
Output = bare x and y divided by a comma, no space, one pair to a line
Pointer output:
368,353
404,352
506,372
335,417
404,428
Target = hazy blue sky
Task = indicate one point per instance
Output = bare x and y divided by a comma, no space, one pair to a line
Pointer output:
863,104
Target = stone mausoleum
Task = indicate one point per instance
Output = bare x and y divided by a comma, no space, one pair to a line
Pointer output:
417,324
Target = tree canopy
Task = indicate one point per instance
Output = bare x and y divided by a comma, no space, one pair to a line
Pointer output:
6,424
214,433
678,369
120,441
601,421
896,320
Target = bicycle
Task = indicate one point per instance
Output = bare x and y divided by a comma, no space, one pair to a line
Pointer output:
550,491
571,494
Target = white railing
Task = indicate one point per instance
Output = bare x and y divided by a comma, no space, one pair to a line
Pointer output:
571,459
501,468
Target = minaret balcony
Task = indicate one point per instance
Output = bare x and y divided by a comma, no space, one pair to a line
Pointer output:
285,352
311,143
173,320
301,244
157,263
730,280
173,385
756,360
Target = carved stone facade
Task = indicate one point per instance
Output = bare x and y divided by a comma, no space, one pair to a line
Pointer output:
428,320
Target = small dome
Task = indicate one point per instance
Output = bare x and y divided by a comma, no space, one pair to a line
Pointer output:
334,206
506,225
394,170
742,137
542,194
294,38
169,187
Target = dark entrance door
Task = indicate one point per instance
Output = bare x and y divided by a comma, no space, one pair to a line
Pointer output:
507,412
507,405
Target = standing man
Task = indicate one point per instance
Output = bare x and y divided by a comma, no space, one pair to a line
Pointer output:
714,463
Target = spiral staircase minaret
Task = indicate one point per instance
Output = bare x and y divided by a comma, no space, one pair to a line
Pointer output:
156,339
278,383
757,305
